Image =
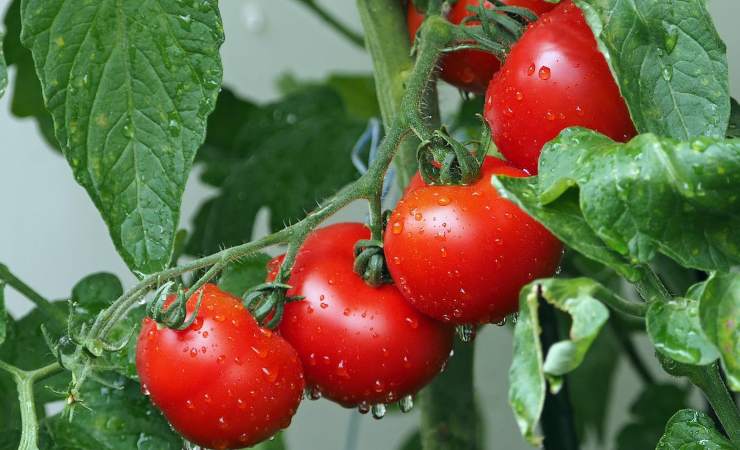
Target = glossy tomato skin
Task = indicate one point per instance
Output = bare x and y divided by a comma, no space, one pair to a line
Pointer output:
554,78
358,344
223,382
469,70
461,254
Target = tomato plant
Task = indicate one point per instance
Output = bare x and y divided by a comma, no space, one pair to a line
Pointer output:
554,78
223,382
359,345
607,145
461,254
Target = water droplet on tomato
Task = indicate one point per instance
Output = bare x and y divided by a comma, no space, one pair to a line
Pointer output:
397,227
379,411
549,115
219,318
270,374
406,404
501,322
222,423
519,95
363,408
530,69
342,370
193,352
544,73
323,305
261,352
396,260
443,252
378,386
412,322
443,201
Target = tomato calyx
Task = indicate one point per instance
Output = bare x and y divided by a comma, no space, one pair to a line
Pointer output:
370,262
172,314
494,27
445,161
266,302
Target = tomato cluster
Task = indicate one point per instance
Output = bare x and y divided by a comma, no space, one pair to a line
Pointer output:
457,255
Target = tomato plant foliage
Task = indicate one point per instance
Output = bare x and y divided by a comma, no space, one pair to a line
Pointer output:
131,93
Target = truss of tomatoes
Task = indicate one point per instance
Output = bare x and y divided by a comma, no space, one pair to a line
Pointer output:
457,255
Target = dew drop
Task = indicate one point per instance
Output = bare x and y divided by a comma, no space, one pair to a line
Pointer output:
406,404
531,69
443,201
544,73
363,408
412,322
397,228
379,411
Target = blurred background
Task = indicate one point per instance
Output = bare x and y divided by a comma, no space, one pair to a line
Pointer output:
51,235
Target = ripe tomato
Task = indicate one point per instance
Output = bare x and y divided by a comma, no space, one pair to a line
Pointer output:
223,382
461,254
359,345
554,78
469,70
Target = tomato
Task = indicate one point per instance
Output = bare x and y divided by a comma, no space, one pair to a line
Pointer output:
554,78
223,382
460,254
359,345
469,70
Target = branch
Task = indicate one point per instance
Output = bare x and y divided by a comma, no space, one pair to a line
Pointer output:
47,309
24,381
333,22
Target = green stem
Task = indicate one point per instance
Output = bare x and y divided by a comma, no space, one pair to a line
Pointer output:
333,22
24,381
651,288
709,380
387,41
47,309
450,419
617,303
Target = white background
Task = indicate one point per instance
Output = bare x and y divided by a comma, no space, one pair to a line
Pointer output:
51,235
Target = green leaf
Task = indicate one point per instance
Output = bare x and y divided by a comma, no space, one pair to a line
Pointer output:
564,219
579,297
651,194
241,275
650,411
301,144
692,430
719,311
356,90
675,331
117,419
129,86
91,295
669,62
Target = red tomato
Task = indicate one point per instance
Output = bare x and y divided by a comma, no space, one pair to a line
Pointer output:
223,382
461,254
469,70
359,345
554,78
